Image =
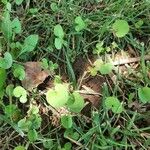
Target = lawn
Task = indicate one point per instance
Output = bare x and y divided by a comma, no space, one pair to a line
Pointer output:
74,74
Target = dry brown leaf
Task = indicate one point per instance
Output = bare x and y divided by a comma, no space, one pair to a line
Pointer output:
34,75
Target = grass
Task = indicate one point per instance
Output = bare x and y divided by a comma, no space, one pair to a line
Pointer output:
98,128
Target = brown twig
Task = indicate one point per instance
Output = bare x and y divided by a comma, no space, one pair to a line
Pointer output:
130,60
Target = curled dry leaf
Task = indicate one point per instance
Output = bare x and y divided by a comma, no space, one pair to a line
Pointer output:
34,75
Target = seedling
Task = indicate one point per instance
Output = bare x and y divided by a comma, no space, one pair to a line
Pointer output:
144,94
120,28
59,33
20,93
114,104
100,66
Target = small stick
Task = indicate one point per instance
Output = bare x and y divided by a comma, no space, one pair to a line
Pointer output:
130,60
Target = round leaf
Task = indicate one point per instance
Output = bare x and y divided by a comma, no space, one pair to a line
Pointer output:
58,43
48,143
144,94
114,104
66,121
58,96
16,25
32,135
77,103
121,28
18,2
19,72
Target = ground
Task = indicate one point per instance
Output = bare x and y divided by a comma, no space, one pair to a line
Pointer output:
74,74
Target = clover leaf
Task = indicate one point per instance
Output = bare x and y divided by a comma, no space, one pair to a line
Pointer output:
121,28
20,93
58,96
58,31
144,94
7,61
80,24
114,104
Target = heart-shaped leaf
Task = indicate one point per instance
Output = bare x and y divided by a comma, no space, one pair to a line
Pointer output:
20,93
121,28
144,94
7,61
58,96
114,104
66,121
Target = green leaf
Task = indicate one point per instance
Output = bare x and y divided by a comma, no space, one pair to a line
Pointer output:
114,104
32,135
76,103
58,96
66,121
18,2
24,124
16,26
67,146
106,68
20,93
8,6
3,77
30,43
58,31
139,23
54,6
7,61
144,94
19,148
121,28
58,43
19,72
6,26
10,110
80,24
48,143
33,10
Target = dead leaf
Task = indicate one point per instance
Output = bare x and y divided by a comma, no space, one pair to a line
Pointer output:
34,75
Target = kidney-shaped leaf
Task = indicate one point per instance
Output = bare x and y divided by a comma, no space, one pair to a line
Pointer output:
20,93
144,94
114,104
58,96
121,28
